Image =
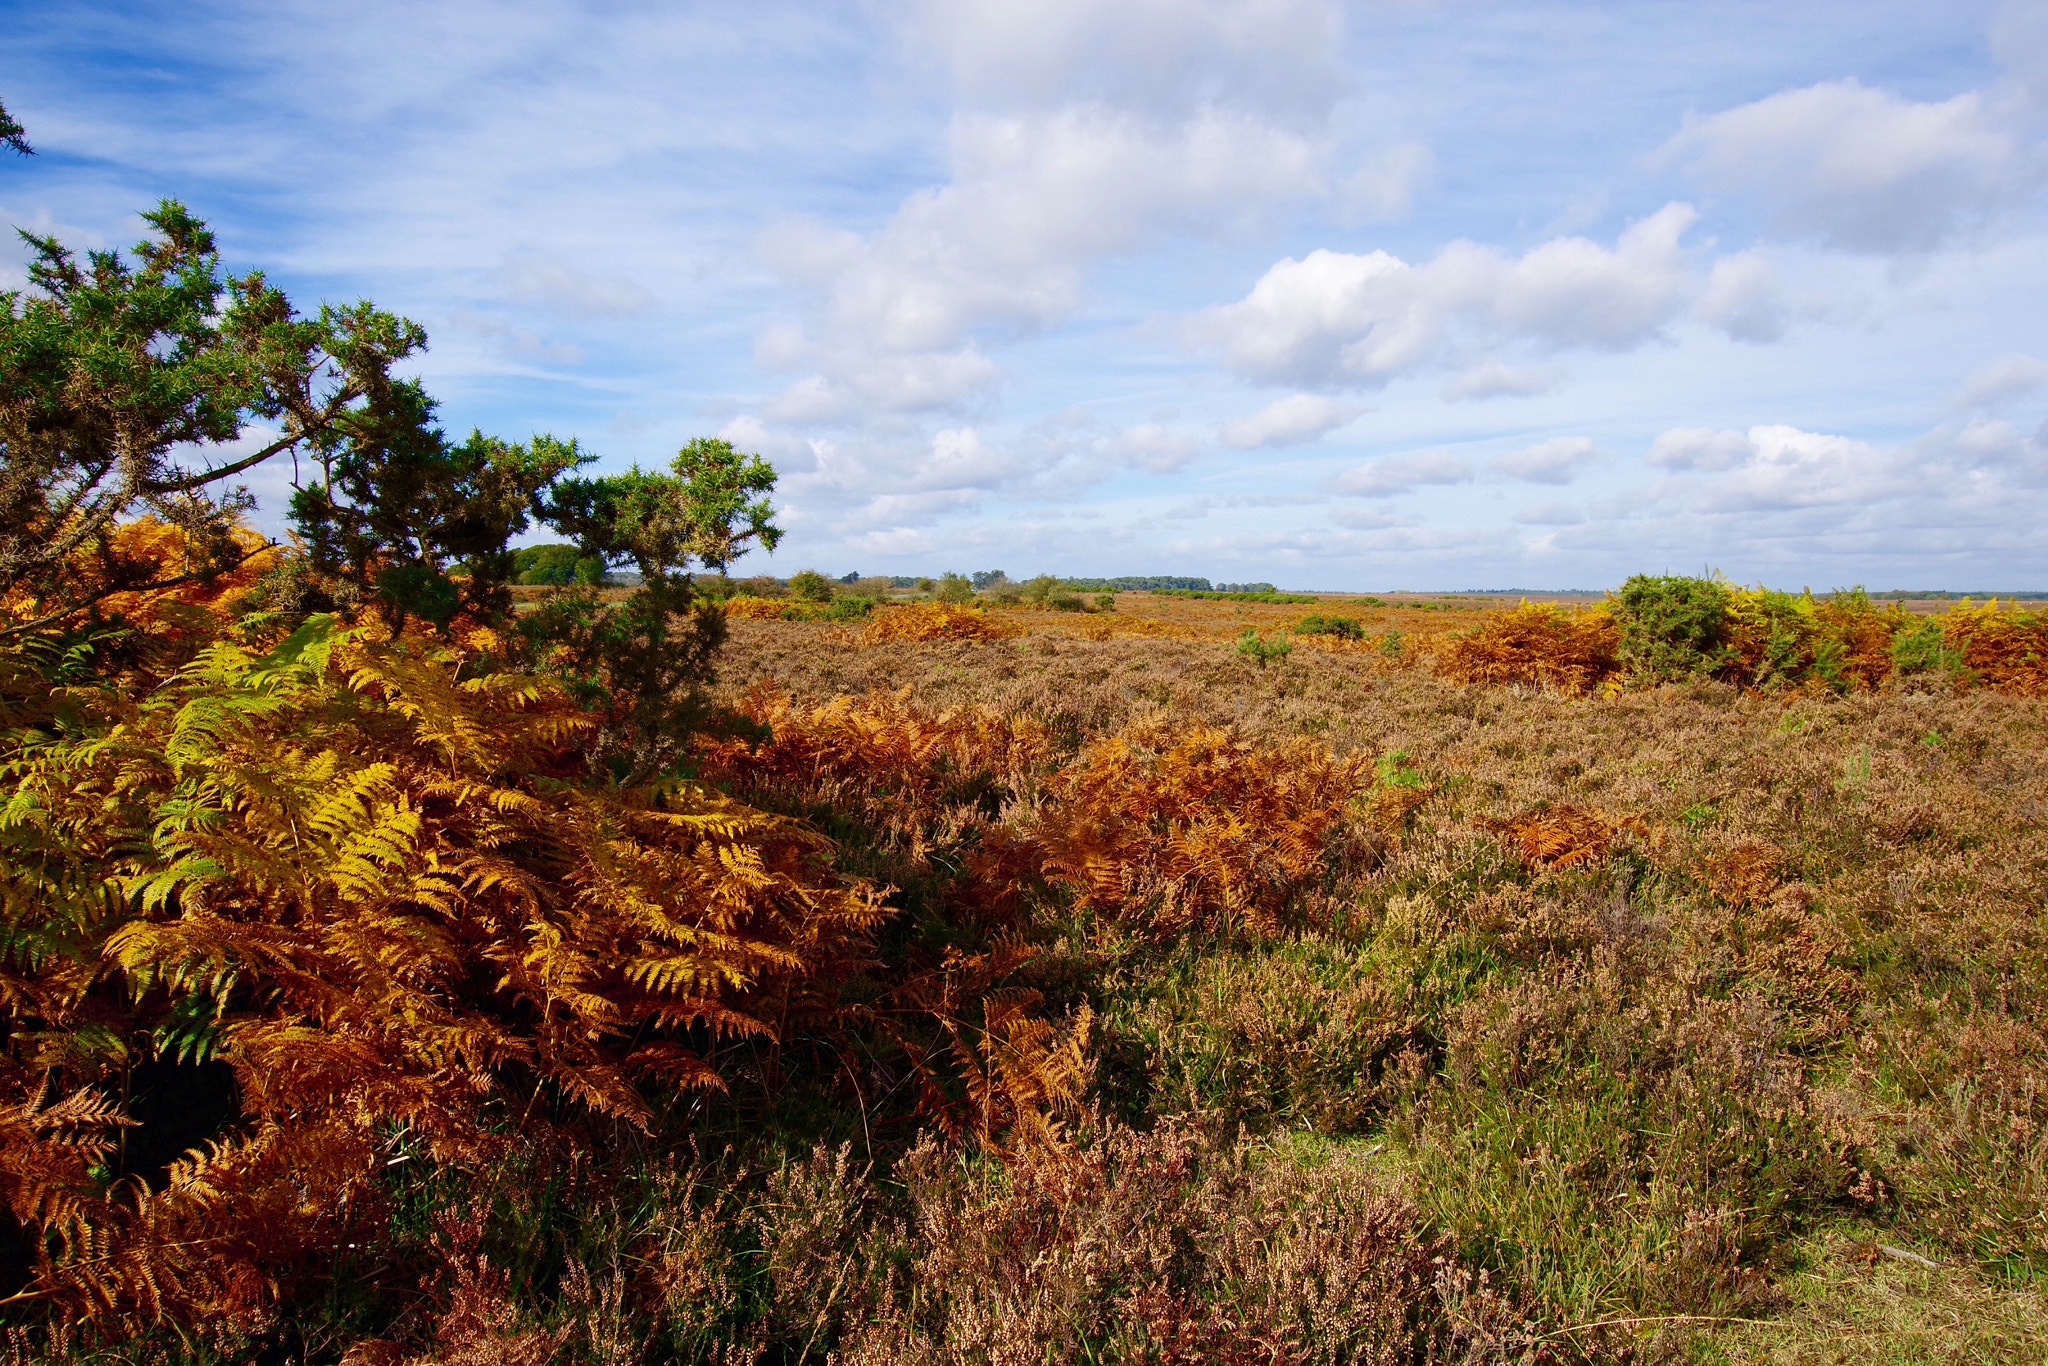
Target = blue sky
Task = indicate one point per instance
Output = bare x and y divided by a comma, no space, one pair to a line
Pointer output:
1355,296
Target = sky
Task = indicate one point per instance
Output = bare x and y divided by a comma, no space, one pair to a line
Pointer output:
1427,294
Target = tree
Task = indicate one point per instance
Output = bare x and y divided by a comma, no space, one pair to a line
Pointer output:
397,506
642,662
712,504
555,564
954,588
113,370
808,585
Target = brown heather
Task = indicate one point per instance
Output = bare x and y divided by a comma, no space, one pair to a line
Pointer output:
1330,1010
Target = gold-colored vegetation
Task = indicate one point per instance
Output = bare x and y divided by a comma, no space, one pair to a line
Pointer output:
936,621
986,996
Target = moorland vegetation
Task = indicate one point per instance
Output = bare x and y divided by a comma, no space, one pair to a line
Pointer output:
410,952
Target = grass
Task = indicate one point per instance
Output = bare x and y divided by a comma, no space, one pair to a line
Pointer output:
1451,1098
1797,1009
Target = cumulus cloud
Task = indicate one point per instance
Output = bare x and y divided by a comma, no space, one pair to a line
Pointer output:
1858,167
1743,298
1492,379
1337,320
1386,478
1289,421
859,382
1700,448
1085,131
1557,461
1785,467
789,453
2000,382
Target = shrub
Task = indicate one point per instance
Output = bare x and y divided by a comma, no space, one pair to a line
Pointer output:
1671,627
747,607
1105,602
808,585
1066,602
935,621
1536,643
1167,826
2007,650
1251,645
955,589
1922,655
377,891
845,609
875,588
1343,628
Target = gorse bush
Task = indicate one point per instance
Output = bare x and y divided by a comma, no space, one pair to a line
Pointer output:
1261,650
1668,629
1671,627
1342,628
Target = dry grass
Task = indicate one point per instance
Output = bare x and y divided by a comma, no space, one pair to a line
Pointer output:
1643,993
1425,1022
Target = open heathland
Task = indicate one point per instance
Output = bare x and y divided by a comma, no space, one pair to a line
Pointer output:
1012,984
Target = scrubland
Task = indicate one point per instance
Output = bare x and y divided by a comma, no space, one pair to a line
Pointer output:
1171,1002
1683,1022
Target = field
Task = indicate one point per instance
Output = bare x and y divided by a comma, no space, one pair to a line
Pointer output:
1697,1023
1172,994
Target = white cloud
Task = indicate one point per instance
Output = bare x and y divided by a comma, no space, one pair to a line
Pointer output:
866,382
2005,379
1786,467
1386,478
1700,448
1335,320
1084,132
1557,461
790,454
1743,298
1289,421
1859,167
1492,379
